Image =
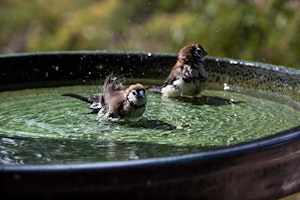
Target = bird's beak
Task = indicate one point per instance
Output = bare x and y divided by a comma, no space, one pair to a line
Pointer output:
205,53
142,94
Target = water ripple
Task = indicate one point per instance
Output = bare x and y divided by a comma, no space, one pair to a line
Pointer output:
40,126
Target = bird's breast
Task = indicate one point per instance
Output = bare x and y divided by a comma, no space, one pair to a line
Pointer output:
181,87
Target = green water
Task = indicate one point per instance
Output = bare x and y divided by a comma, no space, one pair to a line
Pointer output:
38,126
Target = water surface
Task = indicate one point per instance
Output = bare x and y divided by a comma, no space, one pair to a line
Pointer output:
38,126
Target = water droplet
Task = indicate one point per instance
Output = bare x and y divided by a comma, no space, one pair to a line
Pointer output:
38,155
226,86
111,32
31,122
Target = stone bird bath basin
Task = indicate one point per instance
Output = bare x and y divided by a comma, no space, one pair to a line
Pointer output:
265,168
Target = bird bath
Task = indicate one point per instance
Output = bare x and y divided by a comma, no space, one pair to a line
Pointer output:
180,148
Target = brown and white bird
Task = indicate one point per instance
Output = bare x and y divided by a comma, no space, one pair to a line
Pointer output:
115,102
188,75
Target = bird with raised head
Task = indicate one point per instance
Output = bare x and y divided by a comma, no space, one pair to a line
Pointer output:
115,102
188,75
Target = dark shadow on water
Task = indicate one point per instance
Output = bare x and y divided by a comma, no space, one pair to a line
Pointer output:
202,100
209,100
148,124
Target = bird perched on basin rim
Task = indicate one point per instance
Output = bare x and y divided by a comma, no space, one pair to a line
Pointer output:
115,102
188,75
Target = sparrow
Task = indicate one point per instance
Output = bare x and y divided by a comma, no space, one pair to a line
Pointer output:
114,102
188,75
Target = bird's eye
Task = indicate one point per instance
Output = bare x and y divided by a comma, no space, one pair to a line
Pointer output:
134,93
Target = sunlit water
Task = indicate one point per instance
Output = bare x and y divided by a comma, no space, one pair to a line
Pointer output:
38,126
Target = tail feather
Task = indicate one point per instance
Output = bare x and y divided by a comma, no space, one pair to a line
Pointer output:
155,89
77,96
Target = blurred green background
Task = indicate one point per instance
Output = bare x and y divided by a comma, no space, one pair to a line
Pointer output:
261,30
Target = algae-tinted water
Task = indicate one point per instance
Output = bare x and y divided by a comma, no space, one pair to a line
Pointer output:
38,126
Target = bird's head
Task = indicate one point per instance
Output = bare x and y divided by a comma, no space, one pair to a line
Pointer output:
136,95
192,53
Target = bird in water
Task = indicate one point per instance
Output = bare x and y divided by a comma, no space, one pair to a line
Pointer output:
115,102
188,75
